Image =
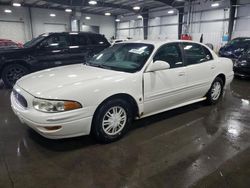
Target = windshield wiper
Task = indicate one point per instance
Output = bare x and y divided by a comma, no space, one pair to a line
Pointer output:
98,65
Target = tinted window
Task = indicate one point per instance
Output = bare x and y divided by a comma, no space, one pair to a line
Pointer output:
170,53
56,41
97,40
78,40
195,53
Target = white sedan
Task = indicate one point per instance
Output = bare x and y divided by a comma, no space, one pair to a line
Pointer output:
127,81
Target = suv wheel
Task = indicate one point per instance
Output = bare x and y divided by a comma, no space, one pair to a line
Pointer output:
112,120
12,73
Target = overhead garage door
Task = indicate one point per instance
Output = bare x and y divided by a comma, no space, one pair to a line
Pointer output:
12,30
51,27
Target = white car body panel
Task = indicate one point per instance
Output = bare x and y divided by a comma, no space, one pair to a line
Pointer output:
153,92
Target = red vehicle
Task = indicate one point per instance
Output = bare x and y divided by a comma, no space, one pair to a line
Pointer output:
9,44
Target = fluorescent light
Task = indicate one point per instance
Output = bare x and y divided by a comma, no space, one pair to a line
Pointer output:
215,5
52,15
8,11
16,4
170,12
117,20
92,2
68,10
107,14
139,17
87,17
136,8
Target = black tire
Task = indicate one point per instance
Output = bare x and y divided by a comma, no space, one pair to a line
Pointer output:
11,73
211,99
97,125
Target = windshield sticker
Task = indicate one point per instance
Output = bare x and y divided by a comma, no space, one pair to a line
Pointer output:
136,51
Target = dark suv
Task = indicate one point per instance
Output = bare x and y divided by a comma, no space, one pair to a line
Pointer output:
235,48
49,50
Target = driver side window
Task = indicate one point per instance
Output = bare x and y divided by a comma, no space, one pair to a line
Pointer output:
170,53
56,42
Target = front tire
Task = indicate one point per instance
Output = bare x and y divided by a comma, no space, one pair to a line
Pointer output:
112,120
215,92
11,73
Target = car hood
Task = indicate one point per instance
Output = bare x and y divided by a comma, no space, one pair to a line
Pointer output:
12,51
41,83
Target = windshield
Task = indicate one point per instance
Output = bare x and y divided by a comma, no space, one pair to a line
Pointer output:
127,57
238,41
35,41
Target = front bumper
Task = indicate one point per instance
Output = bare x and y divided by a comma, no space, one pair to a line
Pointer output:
70,124
242,71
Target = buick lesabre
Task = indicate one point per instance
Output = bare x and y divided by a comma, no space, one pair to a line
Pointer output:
127,81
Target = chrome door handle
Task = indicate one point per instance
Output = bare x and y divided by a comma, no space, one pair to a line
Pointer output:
179,63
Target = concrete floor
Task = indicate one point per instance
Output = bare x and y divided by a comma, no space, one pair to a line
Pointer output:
194,146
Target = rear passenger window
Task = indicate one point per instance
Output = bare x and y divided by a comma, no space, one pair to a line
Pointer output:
195,53
78,40
170,53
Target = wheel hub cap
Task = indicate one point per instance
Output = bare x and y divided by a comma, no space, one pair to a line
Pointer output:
216,90
114,120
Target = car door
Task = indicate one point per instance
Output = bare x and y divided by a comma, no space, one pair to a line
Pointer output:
165,88
79,47
200,69
53,51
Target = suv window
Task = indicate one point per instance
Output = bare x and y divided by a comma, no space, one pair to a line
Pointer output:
56,41
170,53
97,40
78,40
195,53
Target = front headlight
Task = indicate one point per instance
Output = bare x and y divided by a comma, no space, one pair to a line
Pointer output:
52,106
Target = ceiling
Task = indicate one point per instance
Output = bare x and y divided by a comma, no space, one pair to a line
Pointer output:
115,7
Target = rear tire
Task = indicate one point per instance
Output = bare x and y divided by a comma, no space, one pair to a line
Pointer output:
13,72
112,120
215,92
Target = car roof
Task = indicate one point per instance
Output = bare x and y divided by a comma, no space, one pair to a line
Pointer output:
158,43
73,32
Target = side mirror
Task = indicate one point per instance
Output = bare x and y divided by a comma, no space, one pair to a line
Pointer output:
157,66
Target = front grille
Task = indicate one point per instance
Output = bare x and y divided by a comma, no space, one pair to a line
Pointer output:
20,99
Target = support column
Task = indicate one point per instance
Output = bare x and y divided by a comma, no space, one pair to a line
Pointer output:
231,18
180,21
31,23
145,24
75,21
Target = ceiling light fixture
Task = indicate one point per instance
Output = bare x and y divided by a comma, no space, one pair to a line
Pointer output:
16,4
87,17
170,12
215,5
68,10
107,14
136,8
92,2
139,17
8,11
117,20
52,15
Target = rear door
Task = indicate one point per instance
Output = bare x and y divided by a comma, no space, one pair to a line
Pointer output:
79,48
200,69
97,43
